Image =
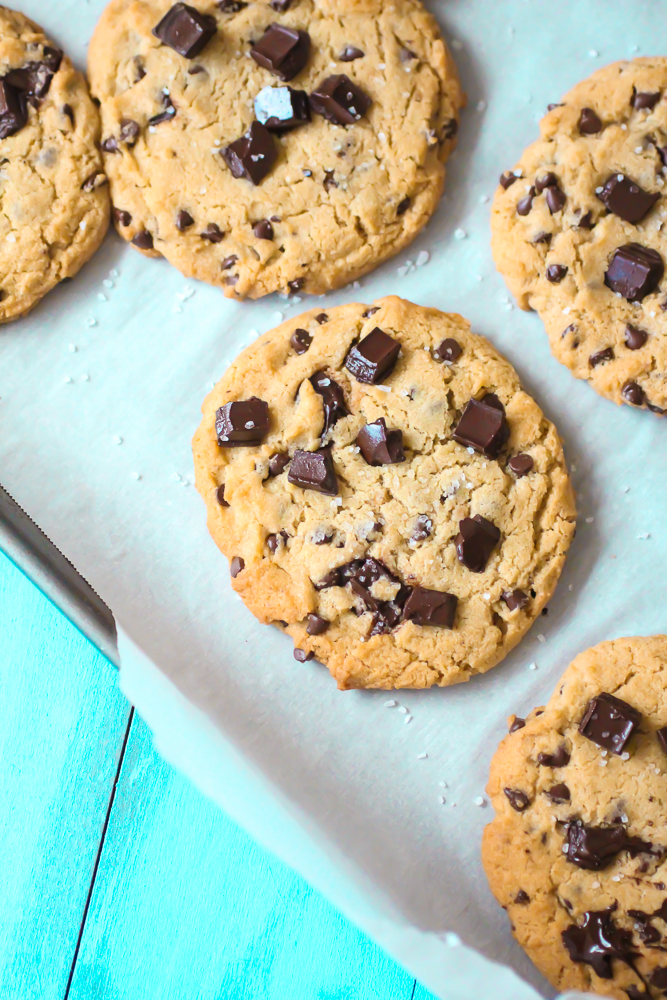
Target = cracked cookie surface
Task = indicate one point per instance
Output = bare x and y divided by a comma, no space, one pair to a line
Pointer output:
577,852
54,201
338,200
592,184
426,560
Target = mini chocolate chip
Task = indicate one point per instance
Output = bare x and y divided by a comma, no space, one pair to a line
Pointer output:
507,179
476,540
350,53
634,271
515,600
281,109
253,155
482,427
278,462
430,607
139,70
525,204
644,101
164,116
300,341
263,230
321,536
339,100
143,240
634,337
542,238
186,30
520,465
329,181
236,566
448,350
522,898
333,399
122,217
231,6
96,179
322,318
316,624
370,311
282,50
558,793
519,801
560,758
296,285
273,543
403,206
609,722
600,357
68,112
280,5
380,446
373,358
626,199
220,495
556,273
516,724
314,470
589,122
184,220
242,423
423,528
301,656
633,394
109,145
129,131
598,941
213,233
228,262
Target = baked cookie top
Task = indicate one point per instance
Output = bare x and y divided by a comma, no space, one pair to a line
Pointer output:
577,852
273,147
54,205
386,492
578,231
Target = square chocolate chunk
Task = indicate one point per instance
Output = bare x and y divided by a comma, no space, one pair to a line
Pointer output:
253,155
186,30
242,423
282,50
482,427
609,722
373,357
634,271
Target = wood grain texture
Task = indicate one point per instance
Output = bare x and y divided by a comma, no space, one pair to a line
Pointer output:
62,726
186,906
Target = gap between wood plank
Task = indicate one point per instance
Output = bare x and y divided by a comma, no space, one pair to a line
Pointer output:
99,852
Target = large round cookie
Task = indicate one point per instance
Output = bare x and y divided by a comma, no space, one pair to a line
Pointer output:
345,188
578,231
577,852
386,492
53,198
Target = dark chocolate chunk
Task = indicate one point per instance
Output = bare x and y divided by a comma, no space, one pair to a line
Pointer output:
518,800
373,357
526,203
302,656
317,625
659,979
143,240
597,941
634,337
129,131
520,465
253,155
34,79
321,536
515,600
236,565
522,898
242,423
278,462
231,6
516,724
314,470
380,446
634,271
282,108
228,262
186,30
263,230
476,540
633,394
556,273
449,350
643,101
646,931
350,53
275,541
370,311
164,116
586,221
626,199
109,145
594,847
600,357
184,220
282,50
220,496
300,341
560,758
558,793
329,181
122,217
322,318
507,179
609,722
403,206
662,738
213,233
333,399
430,607
482,427
339,100
423,528
589,122
68,112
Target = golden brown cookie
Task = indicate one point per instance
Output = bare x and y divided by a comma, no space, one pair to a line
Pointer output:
577,852
386,492
578,231
274,147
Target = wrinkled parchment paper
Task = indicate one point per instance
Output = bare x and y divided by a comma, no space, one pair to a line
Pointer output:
100,390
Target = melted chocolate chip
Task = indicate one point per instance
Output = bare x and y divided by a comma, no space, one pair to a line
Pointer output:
380,446
373,357
609,722
185,30
558,793
236,566
525,205
314,470
515,600
507,179
253,155
597,941
643,101
482,427
594,847
589,122
449,350
301,656
317,625
184,220
220,496
556,273
350,53
430,607
242,423
560,758
633,394
423,528
659,979
522,898
213,233
122,217
520,465
634,271
626,199
516,724
282,50
278,462
600,357
519,801
333,399
339,100
476,540
634,337
282,108
300,341
143,240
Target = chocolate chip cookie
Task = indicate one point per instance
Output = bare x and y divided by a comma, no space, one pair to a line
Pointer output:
385,492
284,146
55,202
578,231
577,852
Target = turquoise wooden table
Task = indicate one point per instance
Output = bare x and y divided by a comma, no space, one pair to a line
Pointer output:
118,880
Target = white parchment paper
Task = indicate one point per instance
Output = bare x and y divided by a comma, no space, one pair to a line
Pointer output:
336,783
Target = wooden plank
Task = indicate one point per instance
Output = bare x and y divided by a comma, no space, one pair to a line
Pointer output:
186,905
63,725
